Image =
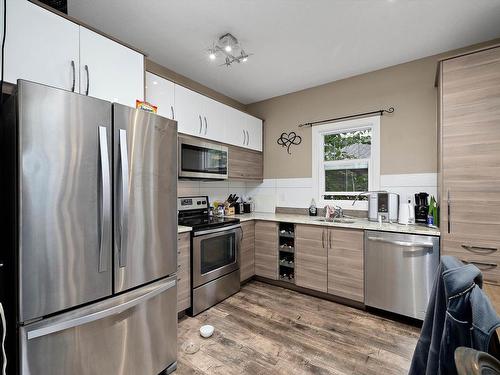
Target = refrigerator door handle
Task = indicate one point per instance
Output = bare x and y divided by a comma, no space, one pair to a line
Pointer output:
124,198
105,209
87,315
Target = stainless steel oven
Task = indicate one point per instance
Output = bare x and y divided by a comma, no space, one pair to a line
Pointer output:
215,265
202,160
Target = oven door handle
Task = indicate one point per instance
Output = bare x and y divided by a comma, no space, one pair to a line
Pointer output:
210,231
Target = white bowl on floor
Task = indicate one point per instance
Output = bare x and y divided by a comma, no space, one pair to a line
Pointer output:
206,331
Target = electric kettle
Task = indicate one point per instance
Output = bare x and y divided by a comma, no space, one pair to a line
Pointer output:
406,214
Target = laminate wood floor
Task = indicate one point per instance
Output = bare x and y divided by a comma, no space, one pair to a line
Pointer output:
265,329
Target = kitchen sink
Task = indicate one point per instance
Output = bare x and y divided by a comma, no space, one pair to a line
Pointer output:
336,220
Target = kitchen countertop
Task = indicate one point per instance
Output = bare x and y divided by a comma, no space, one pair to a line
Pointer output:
183,229
358,223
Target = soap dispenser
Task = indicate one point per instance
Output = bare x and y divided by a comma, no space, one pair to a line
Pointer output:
313,210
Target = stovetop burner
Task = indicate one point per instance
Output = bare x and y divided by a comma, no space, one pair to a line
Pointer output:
193,212
201,222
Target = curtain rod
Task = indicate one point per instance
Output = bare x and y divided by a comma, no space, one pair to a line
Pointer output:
379,112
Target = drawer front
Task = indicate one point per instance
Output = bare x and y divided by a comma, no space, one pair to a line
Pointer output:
183,271
485,254
473,214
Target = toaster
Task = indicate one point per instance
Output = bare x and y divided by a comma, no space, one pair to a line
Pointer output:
383,204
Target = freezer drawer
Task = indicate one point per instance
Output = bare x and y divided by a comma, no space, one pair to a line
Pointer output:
399,271
135,333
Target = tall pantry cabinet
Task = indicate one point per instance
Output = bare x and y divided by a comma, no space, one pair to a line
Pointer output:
469,162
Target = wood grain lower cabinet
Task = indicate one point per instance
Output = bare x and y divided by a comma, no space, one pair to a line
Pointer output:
266,249
345,263
247,257
493,293
183,271
311,257
245,164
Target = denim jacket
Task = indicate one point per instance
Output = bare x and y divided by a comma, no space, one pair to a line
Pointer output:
458,314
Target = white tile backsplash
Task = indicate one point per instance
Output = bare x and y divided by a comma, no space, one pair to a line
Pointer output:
298,192
406,185
296,197
188,188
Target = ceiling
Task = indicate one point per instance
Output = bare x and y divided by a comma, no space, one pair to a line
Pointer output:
297,43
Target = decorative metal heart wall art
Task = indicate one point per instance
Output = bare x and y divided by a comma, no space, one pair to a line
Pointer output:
287,140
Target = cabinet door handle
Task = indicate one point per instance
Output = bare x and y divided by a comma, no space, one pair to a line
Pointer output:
74,76
323,238
330,238
201,124
479,249
449,215
173,113
206,124
244,137
88,80
248,137
479,264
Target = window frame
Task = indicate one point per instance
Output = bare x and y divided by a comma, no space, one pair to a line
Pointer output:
318,163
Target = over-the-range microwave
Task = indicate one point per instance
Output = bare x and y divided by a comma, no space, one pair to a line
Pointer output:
202,160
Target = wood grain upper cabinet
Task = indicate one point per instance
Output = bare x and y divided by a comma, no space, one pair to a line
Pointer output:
345,263
183,271
311,257
469,134
160,92
247,259
109,70
41,47
245,164
266,249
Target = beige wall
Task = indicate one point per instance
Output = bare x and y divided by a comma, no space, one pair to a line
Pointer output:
408,136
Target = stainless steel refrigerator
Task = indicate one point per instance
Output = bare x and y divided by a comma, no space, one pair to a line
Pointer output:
91,235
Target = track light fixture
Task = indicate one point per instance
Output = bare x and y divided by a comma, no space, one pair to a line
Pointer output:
227,47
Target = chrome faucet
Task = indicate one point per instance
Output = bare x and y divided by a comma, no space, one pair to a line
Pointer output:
339,212
333,212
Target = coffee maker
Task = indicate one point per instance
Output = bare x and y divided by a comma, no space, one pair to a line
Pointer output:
421,207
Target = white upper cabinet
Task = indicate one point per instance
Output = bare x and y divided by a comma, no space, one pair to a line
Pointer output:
254,132
244,130
200,116
109,70
235,128
214,120
189,111
160,92
40,46
43,47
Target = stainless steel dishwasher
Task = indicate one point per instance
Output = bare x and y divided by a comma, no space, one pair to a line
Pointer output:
399,271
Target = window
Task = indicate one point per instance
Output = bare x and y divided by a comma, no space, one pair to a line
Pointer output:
346,160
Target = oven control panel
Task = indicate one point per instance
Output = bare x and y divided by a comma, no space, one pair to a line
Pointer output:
192,203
